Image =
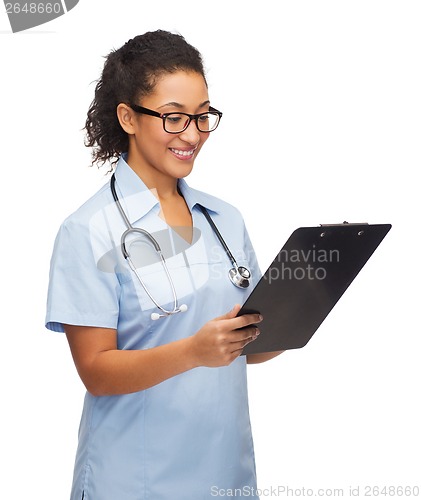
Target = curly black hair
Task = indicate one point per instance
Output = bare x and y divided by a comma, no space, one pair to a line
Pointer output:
129,74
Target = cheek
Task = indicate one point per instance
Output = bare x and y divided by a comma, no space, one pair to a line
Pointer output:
155,143
153,132
203,139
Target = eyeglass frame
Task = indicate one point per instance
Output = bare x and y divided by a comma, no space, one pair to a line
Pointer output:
163,116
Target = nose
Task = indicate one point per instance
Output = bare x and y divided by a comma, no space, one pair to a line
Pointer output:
191,135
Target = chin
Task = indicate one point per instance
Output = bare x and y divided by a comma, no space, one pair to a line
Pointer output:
183,170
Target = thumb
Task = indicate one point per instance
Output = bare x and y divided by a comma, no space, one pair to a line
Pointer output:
231,314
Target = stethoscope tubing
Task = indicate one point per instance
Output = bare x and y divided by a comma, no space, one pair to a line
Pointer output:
130,230
219,236
239,276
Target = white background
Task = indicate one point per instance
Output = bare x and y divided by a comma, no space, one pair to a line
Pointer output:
329,95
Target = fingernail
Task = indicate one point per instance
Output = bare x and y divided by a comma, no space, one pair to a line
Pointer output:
260,317
257,332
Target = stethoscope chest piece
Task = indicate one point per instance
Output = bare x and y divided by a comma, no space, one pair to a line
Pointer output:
240,276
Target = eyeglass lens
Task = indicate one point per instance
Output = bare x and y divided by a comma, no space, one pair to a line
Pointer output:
177,122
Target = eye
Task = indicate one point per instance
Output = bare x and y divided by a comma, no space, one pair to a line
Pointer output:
173,119
204,118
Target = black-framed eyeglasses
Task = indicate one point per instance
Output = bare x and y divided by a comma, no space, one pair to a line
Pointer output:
175,122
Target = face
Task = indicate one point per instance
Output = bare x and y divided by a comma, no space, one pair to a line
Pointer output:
155,154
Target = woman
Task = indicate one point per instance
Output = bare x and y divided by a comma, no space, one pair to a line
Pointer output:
166,412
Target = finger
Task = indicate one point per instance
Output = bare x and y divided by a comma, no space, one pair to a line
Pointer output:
245,320
230,314
239,346
243,334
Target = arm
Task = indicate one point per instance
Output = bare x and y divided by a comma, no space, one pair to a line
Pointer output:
106,370
262,357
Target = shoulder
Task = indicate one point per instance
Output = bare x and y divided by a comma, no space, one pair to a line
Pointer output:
89,210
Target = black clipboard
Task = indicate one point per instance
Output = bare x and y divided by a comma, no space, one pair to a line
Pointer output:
306,279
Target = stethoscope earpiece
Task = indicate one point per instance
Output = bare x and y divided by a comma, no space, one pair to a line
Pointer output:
181,309
239,276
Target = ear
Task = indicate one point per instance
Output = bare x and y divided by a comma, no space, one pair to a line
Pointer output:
126,117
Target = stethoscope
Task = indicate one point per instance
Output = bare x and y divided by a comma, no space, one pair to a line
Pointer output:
239,275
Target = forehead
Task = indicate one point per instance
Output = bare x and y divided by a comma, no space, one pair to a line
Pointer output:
186,88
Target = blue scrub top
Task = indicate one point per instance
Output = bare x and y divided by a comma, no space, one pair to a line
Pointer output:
189,437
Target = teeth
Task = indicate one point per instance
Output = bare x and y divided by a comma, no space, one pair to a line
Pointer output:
183,153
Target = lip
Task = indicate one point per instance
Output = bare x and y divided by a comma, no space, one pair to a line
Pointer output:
183,153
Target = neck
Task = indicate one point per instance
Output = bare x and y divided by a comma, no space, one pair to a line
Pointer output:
163,185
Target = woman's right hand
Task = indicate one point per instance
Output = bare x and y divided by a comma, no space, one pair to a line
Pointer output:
223,339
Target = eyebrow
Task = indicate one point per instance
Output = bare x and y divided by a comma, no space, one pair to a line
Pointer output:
181,106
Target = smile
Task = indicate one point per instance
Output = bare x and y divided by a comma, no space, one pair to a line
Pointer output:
184,154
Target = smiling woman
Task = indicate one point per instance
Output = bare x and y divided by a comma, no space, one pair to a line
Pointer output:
166,410
159,155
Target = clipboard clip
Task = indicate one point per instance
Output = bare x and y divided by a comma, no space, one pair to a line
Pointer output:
345,223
